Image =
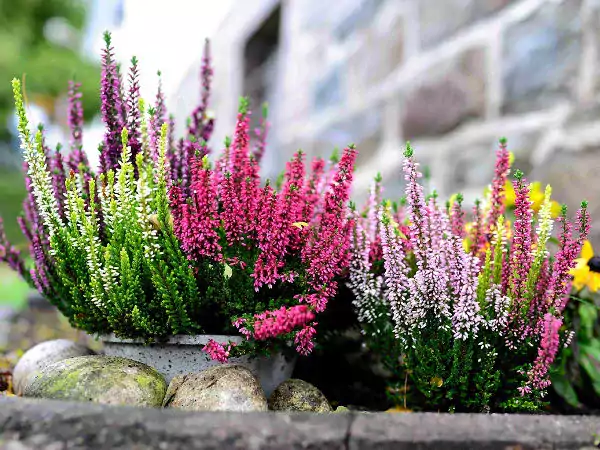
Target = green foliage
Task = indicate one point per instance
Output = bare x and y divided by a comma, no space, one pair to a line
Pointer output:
576,376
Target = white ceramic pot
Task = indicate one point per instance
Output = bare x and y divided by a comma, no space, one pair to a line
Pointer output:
182,354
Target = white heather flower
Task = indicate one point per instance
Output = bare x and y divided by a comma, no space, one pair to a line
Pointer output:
367,289
143,195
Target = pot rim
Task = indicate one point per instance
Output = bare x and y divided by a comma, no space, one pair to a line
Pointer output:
179,339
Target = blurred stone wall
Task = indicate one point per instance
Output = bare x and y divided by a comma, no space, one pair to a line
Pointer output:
451,76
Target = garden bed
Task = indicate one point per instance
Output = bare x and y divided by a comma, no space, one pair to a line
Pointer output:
45,424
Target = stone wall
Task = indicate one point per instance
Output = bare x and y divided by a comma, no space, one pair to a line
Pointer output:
452,76
50,425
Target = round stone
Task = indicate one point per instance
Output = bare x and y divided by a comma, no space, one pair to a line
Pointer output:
99,379
298,395
226,387
42,355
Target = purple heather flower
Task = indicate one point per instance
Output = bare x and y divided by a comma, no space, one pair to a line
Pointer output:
111,108
59,178
201,125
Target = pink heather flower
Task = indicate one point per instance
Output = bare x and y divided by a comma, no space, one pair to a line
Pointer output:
549,345
271,324
327,250
311,193
242,329
584,220
457,218
196,223
304,339
275,241
478,233
240,187
537,307
217,351
560,283
522,255
206,220
498,183
261,136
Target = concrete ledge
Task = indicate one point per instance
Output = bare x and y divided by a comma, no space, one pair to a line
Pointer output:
50,425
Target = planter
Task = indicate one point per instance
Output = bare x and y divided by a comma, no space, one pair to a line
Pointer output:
181,354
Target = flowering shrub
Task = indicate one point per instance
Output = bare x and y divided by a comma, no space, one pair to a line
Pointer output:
274,253
160,242
464,330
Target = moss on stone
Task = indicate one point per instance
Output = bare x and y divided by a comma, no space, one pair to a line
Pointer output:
99,379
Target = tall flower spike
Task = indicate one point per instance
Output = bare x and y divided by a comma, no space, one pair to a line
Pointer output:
457,217
111,108
161,108
201,126
416,203
275,242
540,253
373,207
237,198
549,345
199,220
497,193
564,260
521,248
396,277
478,232
366,287
59,178
35,157
77,157
328,248
261,134
311,188
133,116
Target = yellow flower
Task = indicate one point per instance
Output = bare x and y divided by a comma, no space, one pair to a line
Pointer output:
300,224
587,271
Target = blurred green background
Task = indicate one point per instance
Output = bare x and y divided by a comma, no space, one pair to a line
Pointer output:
41,43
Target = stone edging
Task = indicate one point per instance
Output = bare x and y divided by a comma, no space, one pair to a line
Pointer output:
45,424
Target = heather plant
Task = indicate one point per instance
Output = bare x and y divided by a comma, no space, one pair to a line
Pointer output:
162,242
276,252
464,327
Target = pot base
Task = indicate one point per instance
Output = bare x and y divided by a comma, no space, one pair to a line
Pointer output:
181,355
